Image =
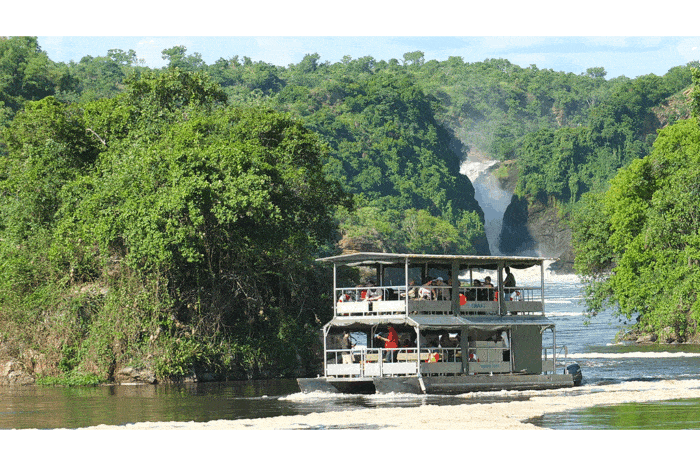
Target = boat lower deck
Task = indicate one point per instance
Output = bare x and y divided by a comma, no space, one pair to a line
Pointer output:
439,385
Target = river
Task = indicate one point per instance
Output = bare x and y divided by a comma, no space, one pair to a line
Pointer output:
604,364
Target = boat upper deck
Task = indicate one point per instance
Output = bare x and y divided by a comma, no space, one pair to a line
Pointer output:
409,284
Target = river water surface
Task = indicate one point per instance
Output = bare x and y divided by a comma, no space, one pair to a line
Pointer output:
589,344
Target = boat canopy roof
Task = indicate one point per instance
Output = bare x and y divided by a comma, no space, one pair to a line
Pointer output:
442,321
391,259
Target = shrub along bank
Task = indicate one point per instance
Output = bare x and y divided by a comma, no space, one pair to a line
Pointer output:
164,230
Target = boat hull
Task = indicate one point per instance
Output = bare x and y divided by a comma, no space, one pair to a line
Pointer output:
360,386
451,385
439,385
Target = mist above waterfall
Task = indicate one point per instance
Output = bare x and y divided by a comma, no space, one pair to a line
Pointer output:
491,198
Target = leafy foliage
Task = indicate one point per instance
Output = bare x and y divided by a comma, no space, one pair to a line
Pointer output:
212,214
168,218
638,243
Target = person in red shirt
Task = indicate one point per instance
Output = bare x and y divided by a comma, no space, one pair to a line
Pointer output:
390,343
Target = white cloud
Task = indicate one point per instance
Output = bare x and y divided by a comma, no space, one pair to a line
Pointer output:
688,49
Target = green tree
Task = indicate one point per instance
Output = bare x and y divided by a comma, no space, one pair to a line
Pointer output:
596,72
24,72
198,221
177,58
414,58
645,236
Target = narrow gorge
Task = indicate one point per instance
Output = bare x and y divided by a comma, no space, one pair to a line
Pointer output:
513,226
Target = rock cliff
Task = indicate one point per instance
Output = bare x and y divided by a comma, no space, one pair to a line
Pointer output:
533,228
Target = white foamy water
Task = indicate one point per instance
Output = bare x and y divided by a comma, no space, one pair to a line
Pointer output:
635,355
491,198
505,409
531,276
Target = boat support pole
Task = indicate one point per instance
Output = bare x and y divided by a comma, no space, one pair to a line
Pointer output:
326,329
335,287
420,381
554,350
420,376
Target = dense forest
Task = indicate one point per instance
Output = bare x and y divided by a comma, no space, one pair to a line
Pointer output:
638,242
168,218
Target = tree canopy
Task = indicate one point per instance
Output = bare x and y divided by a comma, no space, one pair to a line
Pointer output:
638,241
169,217
208,214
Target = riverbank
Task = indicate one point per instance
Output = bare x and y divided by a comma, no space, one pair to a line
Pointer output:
487,416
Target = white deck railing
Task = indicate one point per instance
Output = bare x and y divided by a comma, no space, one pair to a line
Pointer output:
485,357
386,301
379,362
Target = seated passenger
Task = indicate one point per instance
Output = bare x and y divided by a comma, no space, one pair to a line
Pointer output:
412,290
440,292
373,294
426,291
482,293
471,293
446,341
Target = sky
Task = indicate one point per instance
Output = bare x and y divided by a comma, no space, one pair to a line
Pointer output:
628,56
617,35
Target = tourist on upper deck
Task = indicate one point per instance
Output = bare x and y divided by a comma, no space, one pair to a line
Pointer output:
482,294
391,342
470,292
426,291
373,294
488,284
509,282
412,290
439,290
345,296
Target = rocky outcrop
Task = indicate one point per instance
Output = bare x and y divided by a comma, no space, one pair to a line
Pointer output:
537,229
533,228
12,373
367,243
135,375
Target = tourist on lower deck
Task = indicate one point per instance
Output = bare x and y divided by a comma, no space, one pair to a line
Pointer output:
391,343
347,342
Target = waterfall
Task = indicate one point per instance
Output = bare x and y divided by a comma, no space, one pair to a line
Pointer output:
492,199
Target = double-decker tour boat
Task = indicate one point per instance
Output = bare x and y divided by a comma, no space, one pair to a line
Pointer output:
418,328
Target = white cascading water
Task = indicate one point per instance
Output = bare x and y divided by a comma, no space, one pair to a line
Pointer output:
492,199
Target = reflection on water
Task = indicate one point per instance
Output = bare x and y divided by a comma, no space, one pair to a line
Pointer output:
659,415
56,407
59,407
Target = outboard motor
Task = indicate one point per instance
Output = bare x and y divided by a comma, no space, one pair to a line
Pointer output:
575,370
